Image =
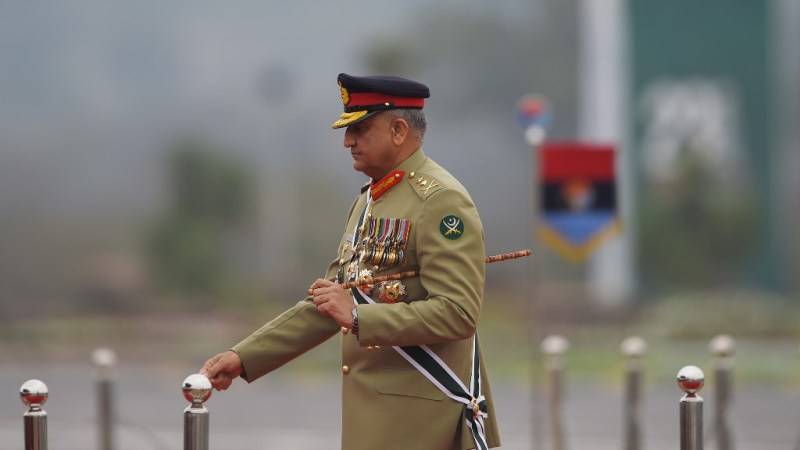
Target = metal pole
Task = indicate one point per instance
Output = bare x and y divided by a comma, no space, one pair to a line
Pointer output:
104,359
633,349
196,389
691,380
554,348
722,347
34,395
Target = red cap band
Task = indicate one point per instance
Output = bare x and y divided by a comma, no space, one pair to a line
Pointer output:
374,98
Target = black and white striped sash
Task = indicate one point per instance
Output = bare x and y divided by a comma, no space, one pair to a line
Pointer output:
439,373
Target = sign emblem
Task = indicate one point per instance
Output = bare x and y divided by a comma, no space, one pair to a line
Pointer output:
578,193
534,116
451,227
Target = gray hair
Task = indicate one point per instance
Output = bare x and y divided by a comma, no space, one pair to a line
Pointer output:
415,118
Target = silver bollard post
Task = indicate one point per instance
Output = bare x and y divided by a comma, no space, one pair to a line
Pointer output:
104,360
691,380
554,348
34,395
633,349
196,389
722,347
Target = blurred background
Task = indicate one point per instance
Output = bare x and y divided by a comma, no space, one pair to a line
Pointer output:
169,181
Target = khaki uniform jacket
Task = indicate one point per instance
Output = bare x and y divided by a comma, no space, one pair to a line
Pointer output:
386,403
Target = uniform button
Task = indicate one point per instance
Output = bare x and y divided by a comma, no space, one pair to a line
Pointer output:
345,369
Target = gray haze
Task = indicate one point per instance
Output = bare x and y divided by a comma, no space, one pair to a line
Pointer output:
94,92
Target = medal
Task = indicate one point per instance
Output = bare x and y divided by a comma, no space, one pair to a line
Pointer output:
364,276
352,269
377,257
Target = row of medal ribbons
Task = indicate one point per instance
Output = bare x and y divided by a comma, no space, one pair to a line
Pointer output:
383,241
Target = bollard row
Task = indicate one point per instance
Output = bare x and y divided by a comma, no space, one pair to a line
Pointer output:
690,380
196,389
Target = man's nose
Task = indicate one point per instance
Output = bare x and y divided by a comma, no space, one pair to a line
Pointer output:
349,139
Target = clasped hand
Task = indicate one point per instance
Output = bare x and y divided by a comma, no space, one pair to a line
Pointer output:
333,301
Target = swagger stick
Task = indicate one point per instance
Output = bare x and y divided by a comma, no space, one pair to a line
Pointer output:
365,281
507,256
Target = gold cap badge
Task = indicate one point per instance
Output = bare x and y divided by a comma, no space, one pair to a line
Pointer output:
345,95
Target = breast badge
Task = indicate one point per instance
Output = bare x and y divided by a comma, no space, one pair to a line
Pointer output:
364,277
352,270
391,291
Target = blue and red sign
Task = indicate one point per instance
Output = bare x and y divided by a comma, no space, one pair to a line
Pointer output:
533,110
578,197
534,116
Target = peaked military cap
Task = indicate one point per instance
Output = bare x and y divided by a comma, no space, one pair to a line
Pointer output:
363,97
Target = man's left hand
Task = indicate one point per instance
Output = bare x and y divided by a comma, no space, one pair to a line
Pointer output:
333,301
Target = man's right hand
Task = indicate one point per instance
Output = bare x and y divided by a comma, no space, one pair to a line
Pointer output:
222,369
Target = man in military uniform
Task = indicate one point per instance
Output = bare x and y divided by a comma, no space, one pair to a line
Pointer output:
412,374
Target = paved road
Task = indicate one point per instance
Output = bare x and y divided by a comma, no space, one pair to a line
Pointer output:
291,411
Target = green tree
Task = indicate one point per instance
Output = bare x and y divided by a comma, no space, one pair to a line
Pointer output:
697,230
211,197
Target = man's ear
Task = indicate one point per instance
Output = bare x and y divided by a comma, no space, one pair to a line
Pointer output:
400,130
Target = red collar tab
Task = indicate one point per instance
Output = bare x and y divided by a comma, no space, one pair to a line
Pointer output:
384,184
361,99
